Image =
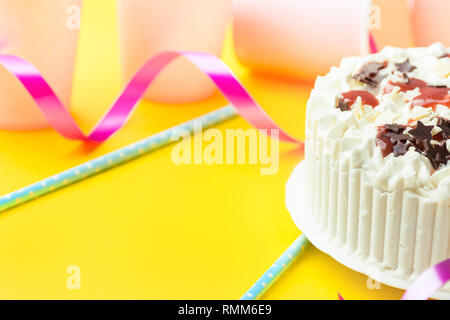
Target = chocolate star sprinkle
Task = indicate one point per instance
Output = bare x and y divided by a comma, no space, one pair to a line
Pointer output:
369,73
343,105
389,136
392,139
445,126
437,153
401,148
395,132
396,128
405,66
397,136
422,132
428,150
442,154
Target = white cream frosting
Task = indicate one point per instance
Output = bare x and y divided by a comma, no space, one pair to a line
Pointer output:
355,131
370,256
388,217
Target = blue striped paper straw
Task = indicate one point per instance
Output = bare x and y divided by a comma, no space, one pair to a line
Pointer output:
277,269
112,159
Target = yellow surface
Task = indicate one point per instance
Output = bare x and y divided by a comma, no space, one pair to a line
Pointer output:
151,229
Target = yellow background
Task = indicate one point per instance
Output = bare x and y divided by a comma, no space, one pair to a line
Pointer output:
150,229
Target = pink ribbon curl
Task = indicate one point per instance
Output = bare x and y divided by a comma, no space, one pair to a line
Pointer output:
427,283
117,116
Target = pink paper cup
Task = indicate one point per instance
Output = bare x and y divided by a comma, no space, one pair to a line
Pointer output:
431,23
46,34
149,27
390,23
300,38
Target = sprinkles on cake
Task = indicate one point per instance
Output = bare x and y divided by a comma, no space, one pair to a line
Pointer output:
370,74
426,138
398,139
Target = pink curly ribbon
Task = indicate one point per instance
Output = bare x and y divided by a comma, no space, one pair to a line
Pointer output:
429,282
117,116
373,47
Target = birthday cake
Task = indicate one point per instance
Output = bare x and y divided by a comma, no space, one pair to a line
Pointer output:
377,163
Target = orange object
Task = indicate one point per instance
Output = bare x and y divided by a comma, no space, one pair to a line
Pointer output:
46,34
299,38
149,27
390,23
431,22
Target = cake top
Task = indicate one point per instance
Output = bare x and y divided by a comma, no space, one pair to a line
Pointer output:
391,112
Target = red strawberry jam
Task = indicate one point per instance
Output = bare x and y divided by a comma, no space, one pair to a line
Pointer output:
429,96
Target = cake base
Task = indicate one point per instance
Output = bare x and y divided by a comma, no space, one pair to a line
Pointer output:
295,191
